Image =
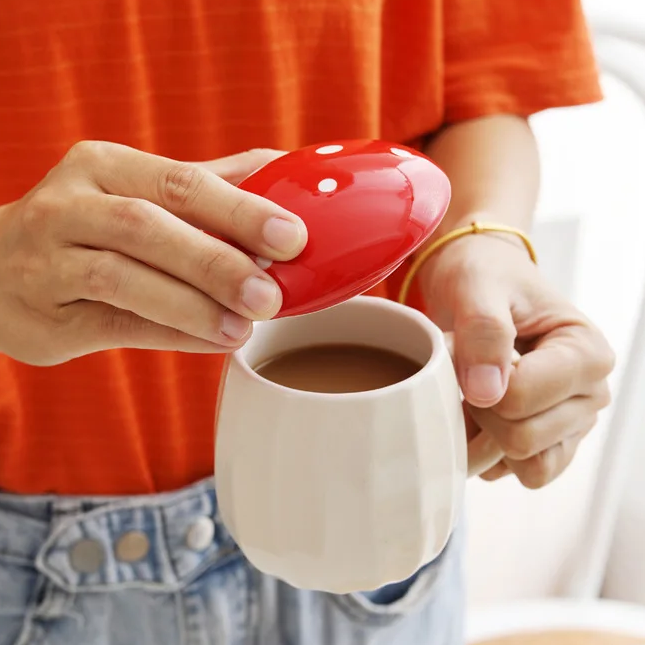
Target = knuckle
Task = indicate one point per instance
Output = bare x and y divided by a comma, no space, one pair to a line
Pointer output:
212,263
521,442
238,214
40,207
180,186
105,276
261,152
121,325
600,355
606,358
482,330
515,405
133,220
87,151
110,321
34,272
117,322
262,155
488,325
604,396
537,471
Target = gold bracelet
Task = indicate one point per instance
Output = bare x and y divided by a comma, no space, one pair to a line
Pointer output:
474,229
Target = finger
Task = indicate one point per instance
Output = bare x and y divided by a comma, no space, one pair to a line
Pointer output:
483,451
449,340
564,364
498,471
148,233
99,326
542,469
194,194
528,437
126,284
484,335
237,167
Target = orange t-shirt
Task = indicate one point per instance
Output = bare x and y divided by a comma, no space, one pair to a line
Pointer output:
201,79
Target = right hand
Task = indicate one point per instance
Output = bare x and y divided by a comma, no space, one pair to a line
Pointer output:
108,251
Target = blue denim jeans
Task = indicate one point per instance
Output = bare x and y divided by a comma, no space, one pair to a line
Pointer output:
162,570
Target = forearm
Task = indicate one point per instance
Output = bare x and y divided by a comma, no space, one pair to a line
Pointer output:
493,167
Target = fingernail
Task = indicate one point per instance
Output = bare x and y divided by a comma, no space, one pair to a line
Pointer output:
259,295
283,235
484,383
233,326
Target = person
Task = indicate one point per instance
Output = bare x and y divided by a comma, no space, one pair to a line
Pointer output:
117,311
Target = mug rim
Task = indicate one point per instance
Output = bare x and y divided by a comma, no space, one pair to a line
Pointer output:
435,335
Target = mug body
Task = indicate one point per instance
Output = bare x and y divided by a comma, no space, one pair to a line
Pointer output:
342,492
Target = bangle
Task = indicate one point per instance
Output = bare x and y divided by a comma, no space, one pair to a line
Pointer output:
474,229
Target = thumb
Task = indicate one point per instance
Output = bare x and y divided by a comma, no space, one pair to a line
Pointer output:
484,343
237,167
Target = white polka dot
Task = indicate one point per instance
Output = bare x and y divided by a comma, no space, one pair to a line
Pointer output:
263,263
327,185
401,153
329,150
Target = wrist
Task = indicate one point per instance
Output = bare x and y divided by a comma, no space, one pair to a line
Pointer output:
421,261
475,243
452,221
473,228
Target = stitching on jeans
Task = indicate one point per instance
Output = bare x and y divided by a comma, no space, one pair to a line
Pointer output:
27,631
182,624
30,633
165,561
19,560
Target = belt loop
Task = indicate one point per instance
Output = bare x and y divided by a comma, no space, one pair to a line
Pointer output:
56,602
63,508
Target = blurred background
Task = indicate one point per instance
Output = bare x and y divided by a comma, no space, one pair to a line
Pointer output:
584,536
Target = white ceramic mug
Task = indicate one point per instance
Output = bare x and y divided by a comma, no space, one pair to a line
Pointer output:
343,492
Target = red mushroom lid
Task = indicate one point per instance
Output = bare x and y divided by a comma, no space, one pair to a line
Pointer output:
367,205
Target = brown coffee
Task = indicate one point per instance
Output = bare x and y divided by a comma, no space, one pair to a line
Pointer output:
335,369
565,638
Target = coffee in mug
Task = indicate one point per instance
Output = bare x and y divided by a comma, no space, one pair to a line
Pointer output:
342,491
337,369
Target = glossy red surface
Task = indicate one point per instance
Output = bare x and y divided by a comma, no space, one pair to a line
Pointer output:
367,205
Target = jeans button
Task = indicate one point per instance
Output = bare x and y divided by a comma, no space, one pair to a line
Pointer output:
132,546
87,556
201,533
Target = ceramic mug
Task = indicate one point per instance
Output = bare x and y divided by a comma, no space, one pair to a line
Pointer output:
343,492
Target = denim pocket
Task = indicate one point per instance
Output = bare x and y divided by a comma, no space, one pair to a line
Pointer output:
389,604
440,580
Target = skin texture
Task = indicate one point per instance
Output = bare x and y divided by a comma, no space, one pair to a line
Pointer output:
109,251
486,289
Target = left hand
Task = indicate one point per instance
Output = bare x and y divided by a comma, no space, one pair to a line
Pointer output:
486,289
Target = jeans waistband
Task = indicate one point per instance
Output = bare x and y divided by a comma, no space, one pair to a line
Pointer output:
97,544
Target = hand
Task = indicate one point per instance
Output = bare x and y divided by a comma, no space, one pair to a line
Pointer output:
108,251
486,289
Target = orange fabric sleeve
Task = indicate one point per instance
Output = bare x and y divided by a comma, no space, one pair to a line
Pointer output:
516,57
